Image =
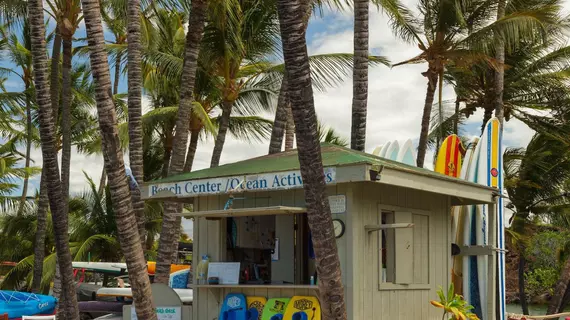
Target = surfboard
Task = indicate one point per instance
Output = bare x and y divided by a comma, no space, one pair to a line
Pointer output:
470,275
179,279
234,307
384,150
489,173
301,307
377,150
186,295
275,309
449,157
393,150
151,265
255,307
407,155
458,220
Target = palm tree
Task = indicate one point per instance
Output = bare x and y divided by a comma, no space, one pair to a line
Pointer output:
360,76
171,223
237,34
49,153
119,188
456,35
330,135
135,107
19,53
93,233
500,72
534,178
331,289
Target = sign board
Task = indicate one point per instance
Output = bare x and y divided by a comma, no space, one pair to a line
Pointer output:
227,272
337,203
259,182
163,313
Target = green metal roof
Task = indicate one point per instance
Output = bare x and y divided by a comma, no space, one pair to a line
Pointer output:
287,161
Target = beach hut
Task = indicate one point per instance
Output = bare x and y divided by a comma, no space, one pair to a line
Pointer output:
392,225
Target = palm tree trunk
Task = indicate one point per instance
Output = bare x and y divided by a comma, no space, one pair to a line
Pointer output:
54,79
331,289
557,302
276,141
359,76
168,144
192,147
500,72
456,121
135,107
118,70
222,132
102,181
28,151
170,223
290,133
49,153
432,76
128,234
66,117
283,118
522,291
39,245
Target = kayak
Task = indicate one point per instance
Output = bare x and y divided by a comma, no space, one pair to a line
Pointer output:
17,304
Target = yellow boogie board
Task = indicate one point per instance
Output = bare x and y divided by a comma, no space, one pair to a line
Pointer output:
303,308
255,307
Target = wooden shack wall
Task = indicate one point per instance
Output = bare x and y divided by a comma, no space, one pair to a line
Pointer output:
368,300
209,238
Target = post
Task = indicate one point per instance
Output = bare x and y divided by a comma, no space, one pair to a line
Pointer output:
492,261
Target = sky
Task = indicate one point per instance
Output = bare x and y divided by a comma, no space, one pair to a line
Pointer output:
395,101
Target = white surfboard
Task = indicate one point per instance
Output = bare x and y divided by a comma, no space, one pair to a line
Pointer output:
469,275
384,149
186,295
459,216
407,154
393,150
111,267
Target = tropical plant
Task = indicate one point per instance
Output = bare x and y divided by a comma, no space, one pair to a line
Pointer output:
453,305
534,180
330,135
331,290
93,233
457,35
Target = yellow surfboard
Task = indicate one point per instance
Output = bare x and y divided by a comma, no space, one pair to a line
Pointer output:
256,305
449,157
310,306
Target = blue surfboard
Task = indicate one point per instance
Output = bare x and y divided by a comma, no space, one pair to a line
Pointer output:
234,307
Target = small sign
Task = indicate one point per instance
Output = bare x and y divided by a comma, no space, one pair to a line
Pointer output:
163,313
337,203
227,272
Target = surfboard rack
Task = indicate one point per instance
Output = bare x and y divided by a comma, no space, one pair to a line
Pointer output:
478,250
373,228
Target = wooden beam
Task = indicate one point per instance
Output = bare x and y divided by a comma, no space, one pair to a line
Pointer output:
245,212
372,228
477,250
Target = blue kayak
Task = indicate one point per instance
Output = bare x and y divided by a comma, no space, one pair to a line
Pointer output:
17,304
